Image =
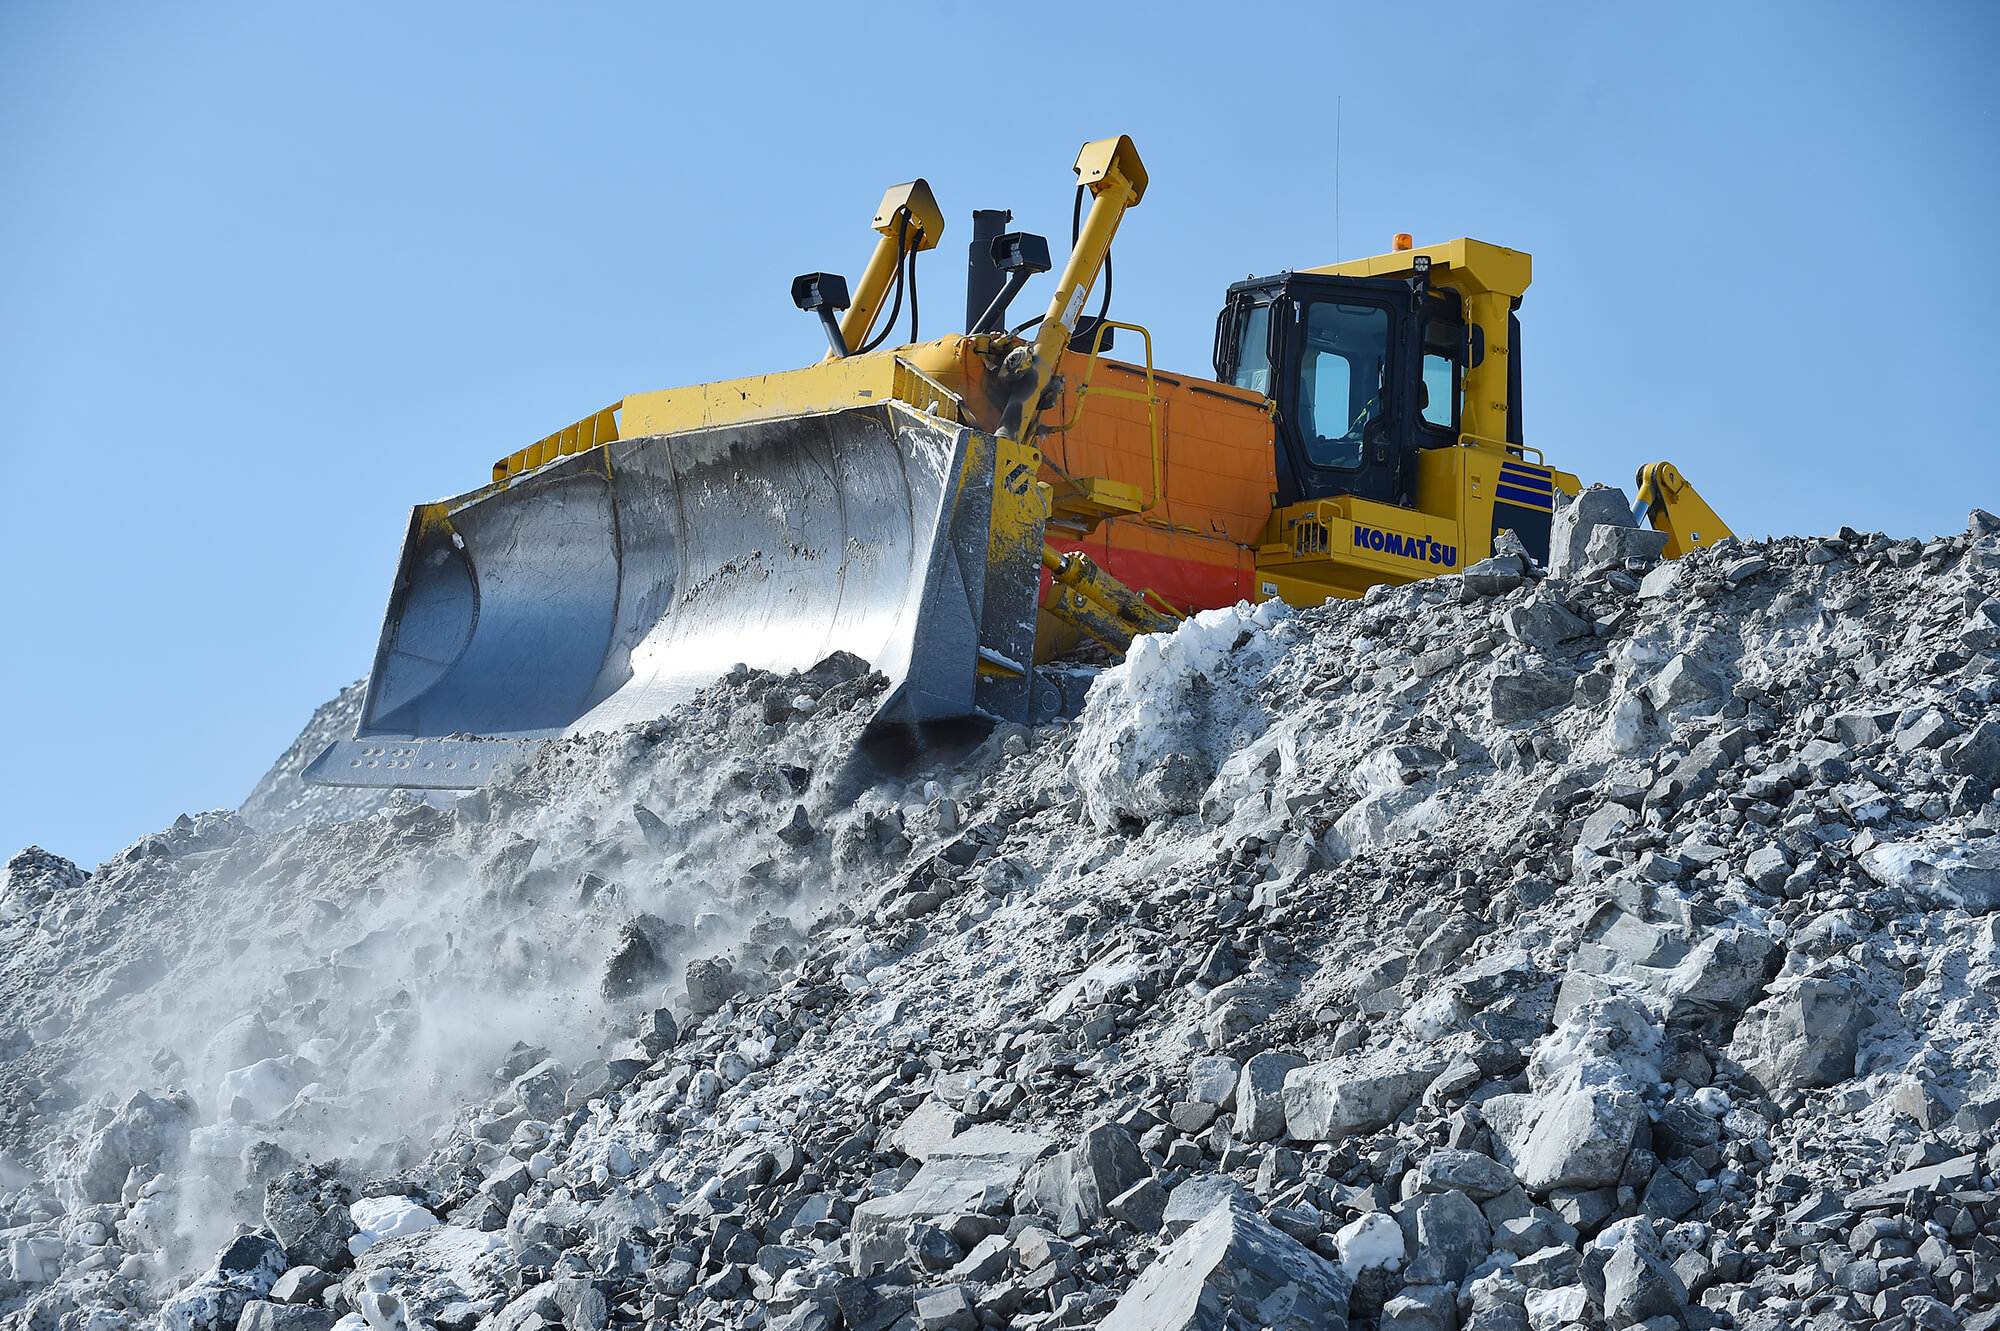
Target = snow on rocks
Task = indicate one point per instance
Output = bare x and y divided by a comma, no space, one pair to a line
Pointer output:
378,1218
1590,945
1938,874
1373,1239
1164,724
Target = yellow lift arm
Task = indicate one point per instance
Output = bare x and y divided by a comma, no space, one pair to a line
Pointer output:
1668,503
1111,170
909,221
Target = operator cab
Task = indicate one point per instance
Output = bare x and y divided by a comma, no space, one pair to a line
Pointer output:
1364,372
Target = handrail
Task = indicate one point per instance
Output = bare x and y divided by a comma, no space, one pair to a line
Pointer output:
1149,397
1521,450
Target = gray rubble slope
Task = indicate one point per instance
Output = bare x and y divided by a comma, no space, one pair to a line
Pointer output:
280,799
1498,951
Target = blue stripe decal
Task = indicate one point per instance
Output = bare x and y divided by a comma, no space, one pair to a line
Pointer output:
1532,480
1527,498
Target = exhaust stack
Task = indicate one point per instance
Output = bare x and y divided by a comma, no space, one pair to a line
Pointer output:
982,280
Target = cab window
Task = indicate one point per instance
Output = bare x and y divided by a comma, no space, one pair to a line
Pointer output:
1342,371
1439,396
1253,361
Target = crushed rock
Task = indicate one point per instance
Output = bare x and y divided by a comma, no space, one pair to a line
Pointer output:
1618,947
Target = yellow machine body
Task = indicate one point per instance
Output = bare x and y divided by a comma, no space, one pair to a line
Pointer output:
1329,547
952,512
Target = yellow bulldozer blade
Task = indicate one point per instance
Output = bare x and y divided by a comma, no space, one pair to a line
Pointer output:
606,587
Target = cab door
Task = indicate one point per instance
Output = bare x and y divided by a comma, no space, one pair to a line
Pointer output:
1339,357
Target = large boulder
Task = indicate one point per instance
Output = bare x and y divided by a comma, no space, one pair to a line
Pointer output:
1076,1186
1479,1177
145,1131
306,1207
711,982
949,1184
243,1271
1496,576
1695,775
1639,1286
1660,582
1978,754
1578,520
1387,816
1723,974
1611,544
1357,1093
1580,1138
1768,867
1682,682
1234,1269
1423,1307
1938,876
1543,621
1212,1080
1522,695
1806,1034
264,1315
639,959
1449,1236
1189,1204
930,1126
1260,1095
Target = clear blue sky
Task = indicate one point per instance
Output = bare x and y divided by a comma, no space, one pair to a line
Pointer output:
271,273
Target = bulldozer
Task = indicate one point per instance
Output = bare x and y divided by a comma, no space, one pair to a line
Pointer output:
962,512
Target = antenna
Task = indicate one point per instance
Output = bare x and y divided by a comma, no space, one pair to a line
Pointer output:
1336,179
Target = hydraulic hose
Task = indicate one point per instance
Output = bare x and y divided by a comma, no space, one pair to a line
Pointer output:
896,307
1075,231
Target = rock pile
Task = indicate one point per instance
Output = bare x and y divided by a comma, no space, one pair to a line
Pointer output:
1614,945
